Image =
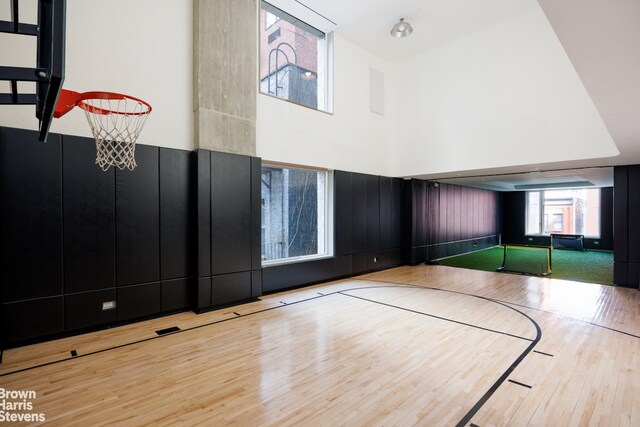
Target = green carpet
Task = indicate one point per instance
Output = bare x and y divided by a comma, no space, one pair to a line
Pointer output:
589,267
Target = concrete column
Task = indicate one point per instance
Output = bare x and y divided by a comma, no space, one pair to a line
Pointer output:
225,43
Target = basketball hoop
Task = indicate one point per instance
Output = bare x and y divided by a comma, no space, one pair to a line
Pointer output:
116,121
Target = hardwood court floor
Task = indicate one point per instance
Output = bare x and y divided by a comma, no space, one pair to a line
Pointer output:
425,345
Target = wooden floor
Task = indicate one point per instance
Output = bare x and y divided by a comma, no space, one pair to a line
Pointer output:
425,345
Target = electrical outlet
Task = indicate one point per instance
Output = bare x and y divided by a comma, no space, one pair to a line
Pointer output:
596,243
531,239
108,305
375,259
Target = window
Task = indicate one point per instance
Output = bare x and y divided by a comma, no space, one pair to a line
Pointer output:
294,59
270,19
294,214
563,212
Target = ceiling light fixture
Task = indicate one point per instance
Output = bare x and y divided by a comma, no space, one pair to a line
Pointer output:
401,29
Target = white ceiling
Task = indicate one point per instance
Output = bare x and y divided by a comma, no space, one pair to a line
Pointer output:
435,22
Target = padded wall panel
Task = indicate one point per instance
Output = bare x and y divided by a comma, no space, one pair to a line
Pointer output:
633,209
204,293
359,263
138,301
344,265
342,212
289,275
89,218
175,214
84,310
176,294
31,215
385,201
358,212
138,220
228,288
396,213
256,283
373,213
620,273
32,319
230,213
203,235
256,213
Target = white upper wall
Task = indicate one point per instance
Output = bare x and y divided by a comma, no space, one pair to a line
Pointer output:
141,48
506,95
352,138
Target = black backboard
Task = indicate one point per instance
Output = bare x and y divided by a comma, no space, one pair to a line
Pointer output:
48,73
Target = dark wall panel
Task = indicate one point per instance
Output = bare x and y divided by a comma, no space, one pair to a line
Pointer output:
203,299
31,231
385,201
89,218
620,218
230,213
256,213
84,310
358,212
176,294
342,212
175,214
138,220
396,213
32,319
228,288
138,301
203,235
286,276
633,209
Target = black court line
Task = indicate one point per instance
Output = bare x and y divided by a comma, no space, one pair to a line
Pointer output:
140,341
437,317
463,421
520,384
74,353
236,313
168,330
473,425
510,303
543,353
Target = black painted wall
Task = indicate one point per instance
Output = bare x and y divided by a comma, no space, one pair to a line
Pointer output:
445,220
74,236
228,228
626,227
367,229
513,222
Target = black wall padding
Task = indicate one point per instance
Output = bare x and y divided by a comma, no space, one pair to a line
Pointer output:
138,220
89,218
342,211
203,211
84,309
138,301
448,220
626,229
228,228
368,233
176,250
31,222
230,213
31,319
373,213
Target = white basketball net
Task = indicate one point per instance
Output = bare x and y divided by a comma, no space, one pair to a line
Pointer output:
116,125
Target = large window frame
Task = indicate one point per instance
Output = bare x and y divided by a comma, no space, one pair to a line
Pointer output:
324,72
327,235
536,198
